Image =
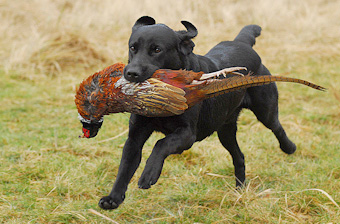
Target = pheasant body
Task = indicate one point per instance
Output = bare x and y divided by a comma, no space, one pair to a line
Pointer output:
166,93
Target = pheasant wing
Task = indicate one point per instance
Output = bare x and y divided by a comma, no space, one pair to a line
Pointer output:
155,98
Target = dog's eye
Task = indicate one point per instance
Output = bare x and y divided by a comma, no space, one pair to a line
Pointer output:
132,48
157,50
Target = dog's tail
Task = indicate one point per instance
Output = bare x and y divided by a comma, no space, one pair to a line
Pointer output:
248,34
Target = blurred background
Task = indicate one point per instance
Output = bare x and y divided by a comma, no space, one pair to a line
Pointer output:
53,37
49,175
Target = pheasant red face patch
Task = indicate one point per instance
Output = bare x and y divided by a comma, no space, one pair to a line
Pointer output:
86,132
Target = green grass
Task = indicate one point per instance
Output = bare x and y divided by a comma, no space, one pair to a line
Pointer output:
49,175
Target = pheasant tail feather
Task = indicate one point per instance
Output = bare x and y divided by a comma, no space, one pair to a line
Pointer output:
217,87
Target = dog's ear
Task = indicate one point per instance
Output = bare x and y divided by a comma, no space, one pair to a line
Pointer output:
144,21
186,45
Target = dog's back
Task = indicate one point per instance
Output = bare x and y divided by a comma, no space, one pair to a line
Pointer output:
238,52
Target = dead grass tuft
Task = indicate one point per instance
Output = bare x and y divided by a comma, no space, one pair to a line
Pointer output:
64,51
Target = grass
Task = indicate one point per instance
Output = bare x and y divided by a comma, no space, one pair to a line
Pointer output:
48,175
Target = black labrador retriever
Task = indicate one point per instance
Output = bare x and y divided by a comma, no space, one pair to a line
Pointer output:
155,46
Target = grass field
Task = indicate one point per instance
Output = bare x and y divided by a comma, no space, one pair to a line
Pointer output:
48,175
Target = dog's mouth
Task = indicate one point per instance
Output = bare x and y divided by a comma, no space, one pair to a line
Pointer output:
134,73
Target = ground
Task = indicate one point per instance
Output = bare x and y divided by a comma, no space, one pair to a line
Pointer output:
49,175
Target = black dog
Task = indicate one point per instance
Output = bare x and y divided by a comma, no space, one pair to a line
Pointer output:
154,46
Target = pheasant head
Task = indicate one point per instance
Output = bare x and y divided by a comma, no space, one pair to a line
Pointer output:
93,100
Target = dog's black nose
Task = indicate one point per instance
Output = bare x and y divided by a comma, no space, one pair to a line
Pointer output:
132,73
135,73
132,76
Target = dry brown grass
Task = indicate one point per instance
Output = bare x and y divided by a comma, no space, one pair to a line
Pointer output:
49,176
55,36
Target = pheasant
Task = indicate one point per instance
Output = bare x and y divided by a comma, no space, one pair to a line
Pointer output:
166,93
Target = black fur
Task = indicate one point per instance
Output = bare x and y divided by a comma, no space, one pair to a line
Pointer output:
154,46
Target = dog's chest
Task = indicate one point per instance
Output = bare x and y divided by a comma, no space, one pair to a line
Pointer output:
165,125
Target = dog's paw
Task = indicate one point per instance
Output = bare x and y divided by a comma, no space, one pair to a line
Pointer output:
109,202
149,177
289,147
145,183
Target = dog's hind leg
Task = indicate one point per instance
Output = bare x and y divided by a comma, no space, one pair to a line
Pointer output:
227,136
264,104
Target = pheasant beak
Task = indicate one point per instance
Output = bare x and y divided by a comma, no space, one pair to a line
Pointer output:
86,133
90,129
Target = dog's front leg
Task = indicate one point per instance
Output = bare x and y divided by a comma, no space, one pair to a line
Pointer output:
175,143
132,152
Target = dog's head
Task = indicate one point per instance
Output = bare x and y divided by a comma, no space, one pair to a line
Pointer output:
154,46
